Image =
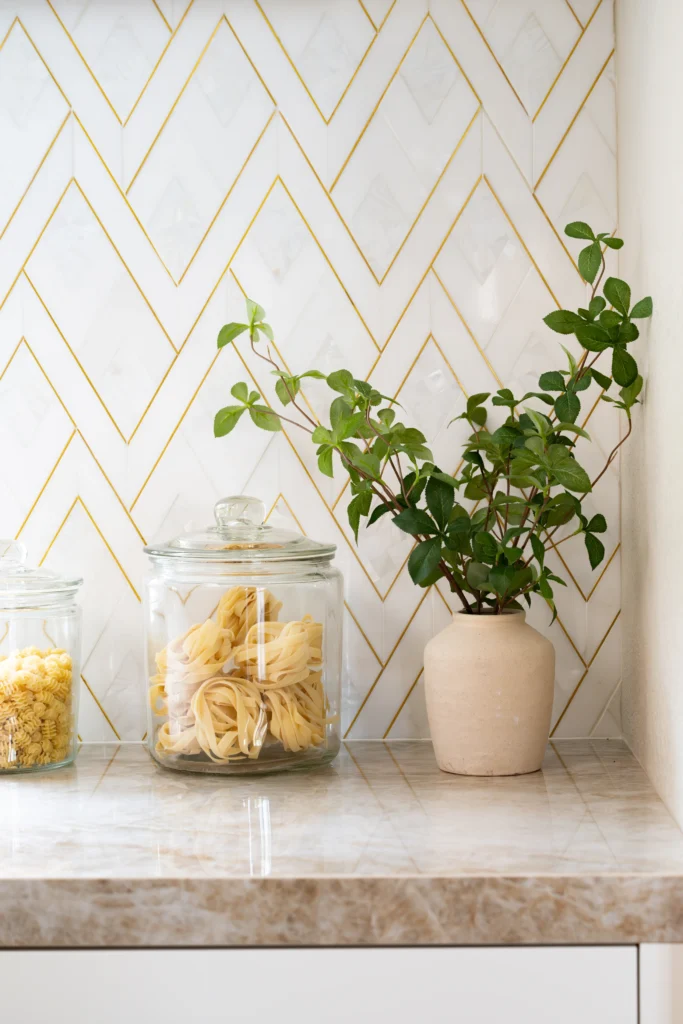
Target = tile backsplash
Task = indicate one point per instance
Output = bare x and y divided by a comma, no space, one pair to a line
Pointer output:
390,178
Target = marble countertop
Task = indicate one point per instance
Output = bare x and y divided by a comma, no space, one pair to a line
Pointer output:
379,848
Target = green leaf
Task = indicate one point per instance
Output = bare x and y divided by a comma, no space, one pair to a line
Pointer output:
567,407
341,380
579,229
255,312
506,579
630,393
572,428
642,308
325,462
610,318
540,422
538,549
230,332
571,475
593,337
477,575
598,524
613,243
595,549
485,547
378,512
604,381
628,332
226,419
414,521
596,305
265,418
358,507
424,560
551,381
573,365
240,392
267,330
506,435
590,260
618,293
474,400
281,389
624,366
321,435
563,321
439,497
348,426
339,411
316,374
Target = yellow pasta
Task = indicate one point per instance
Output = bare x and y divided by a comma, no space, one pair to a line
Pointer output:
234,686
36,715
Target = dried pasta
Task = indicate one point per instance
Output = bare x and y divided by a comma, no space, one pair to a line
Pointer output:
234,686
36,714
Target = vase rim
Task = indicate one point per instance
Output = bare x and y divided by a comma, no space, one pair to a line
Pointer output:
509,615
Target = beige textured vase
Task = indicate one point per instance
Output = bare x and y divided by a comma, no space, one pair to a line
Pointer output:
489,687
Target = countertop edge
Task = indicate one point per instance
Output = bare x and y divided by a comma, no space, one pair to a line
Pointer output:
340,911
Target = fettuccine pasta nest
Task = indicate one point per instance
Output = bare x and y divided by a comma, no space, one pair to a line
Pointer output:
239,682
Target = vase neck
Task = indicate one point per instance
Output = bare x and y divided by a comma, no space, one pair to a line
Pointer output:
488,620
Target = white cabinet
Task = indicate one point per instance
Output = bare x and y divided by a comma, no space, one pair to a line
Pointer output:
661,984
593,985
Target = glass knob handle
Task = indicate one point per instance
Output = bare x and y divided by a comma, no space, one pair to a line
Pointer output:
12,554
239,510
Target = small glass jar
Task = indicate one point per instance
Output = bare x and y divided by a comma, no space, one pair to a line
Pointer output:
40,646
243,638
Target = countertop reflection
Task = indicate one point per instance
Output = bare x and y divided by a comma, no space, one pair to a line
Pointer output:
381,810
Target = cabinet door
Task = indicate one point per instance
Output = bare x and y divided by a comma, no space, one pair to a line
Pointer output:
564,985
661,984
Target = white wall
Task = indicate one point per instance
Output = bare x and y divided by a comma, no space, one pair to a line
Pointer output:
650,98
391,180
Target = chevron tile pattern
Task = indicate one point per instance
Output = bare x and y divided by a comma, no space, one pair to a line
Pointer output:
390,178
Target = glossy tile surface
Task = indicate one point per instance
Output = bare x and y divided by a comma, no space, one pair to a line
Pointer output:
380,848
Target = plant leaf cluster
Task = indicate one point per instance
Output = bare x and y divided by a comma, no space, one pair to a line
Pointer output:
487,529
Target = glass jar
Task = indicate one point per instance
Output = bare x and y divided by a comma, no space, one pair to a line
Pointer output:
40,646
243,638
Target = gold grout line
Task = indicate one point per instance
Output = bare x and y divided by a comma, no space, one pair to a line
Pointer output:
227,195
438,181
176,101
106,716
162,16
357,70
367,15
91,72
566,61
573,120
118,496
524,245
45,65
114,247
362,632
576,688
35,174
467,328
606,567
59,529
424,276
385,664
109,547
488,47
7,34
174,431
327,260
161,57
597,721
123,195
578,20
401,706
75,358
557,234
42,489
378,104
569,638
457,62
110,763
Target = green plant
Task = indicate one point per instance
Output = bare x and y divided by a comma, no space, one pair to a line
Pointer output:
521,480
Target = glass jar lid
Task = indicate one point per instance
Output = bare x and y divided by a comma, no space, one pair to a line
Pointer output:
22,584
242,535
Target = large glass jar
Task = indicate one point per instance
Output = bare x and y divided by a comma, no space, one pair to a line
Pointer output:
243,637
40,645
